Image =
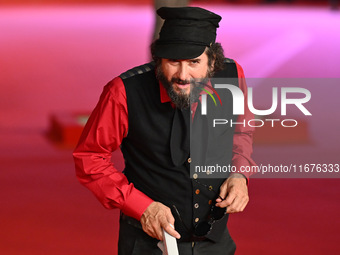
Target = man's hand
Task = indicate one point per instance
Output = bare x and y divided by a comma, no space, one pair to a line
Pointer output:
235,192
156,217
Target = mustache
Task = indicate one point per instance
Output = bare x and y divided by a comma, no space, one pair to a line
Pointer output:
197,83
180,81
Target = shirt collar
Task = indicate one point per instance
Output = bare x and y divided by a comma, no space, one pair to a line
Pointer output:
163,94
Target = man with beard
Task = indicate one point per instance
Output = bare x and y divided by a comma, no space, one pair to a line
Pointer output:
146,111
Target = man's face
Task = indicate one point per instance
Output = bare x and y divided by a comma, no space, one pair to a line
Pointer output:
181,77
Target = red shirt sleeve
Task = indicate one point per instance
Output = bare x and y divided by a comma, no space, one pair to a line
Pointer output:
103,134
243,136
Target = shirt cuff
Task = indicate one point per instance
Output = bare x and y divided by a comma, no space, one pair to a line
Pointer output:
244,167
136,204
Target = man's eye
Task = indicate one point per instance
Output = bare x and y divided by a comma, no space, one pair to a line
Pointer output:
195,61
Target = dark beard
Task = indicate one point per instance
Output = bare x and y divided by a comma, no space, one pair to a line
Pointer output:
181,100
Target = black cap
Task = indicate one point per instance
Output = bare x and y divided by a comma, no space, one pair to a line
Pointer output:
186,32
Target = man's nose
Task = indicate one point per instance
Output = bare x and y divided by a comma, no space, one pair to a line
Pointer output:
183,73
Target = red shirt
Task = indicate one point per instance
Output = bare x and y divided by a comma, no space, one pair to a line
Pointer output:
103,134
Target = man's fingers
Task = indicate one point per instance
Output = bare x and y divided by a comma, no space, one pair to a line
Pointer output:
169,225
234,202
238,204
170,230
223,193
235,187
153,229
227,202
170,218
232,208
156,217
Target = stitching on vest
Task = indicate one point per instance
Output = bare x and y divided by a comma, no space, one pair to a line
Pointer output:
137,70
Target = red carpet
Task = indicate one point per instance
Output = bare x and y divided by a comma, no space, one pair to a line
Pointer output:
57,59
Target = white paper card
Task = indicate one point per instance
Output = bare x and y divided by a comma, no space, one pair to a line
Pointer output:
170,244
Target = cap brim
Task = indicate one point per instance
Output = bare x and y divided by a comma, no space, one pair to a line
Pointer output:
179,51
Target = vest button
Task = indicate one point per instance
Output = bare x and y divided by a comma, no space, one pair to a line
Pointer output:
194,176
197,220
189,160
197,191
210,202
196,205
210,188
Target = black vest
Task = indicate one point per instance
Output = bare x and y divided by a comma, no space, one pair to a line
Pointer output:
146,150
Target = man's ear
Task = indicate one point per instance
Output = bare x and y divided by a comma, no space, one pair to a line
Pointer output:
212,64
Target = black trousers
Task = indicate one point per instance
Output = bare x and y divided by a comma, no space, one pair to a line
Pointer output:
134,241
